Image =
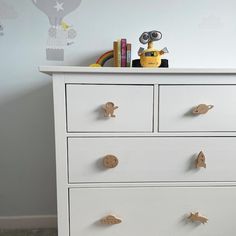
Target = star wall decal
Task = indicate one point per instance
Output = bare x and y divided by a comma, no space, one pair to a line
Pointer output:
59,6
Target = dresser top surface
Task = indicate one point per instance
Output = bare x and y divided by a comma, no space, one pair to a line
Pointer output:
115,70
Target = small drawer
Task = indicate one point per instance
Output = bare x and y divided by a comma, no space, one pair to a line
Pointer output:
109,108
161,211
197,108
151,159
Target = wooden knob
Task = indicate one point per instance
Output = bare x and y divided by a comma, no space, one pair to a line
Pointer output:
201,160
110,220
195,217
110,161
109,109
202,109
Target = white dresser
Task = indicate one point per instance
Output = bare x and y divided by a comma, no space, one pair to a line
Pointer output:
145,151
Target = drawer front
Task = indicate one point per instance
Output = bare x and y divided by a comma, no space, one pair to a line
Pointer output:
87,106
158,211
177,104
150,159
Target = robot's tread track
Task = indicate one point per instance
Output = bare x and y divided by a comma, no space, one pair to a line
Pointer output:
164,63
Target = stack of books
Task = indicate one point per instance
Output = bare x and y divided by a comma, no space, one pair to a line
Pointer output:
122,53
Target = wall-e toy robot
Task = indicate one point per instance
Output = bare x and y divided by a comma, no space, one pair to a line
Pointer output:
151,57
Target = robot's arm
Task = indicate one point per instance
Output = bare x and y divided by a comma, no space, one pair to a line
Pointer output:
164,50
140,51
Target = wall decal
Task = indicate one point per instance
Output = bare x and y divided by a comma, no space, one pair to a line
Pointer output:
6,12
60,34
1,29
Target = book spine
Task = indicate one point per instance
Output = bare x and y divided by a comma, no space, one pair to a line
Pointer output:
115,51
119,52
128,64
123,52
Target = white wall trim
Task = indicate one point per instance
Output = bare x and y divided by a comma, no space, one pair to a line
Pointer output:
28,222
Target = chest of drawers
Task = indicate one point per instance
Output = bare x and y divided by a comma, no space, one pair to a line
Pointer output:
145,151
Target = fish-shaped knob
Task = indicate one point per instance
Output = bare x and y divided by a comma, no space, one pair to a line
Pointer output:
201,160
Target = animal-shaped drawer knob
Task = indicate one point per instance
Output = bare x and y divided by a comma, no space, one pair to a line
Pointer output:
109,109
195,217
201,160
110,220
201,109
110,161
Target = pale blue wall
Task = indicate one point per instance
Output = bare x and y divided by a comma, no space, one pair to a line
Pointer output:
198,34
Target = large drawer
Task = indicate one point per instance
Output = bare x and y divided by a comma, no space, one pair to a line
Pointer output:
177,103
150,159
153,210
86,105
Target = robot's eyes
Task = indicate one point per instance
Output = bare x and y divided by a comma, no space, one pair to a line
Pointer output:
155,35
145,37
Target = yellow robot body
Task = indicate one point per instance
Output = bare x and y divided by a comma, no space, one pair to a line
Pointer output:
150,58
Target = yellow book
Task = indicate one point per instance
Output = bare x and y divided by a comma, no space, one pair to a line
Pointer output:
119,52
115,51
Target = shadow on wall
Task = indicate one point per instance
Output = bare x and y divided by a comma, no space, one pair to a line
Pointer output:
27,162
